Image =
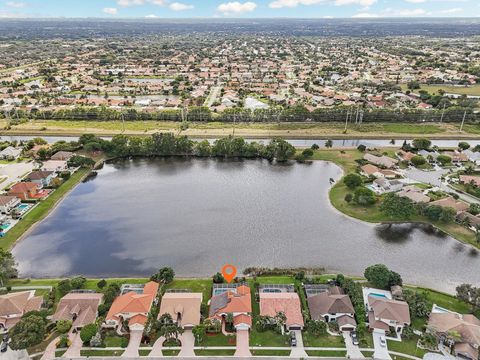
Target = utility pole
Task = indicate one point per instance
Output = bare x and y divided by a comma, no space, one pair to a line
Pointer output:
463,120
443,113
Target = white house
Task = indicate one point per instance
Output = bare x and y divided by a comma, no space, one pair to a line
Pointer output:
54,165
7,203
10,153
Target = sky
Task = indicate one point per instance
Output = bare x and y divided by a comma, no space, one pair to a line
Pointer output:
239,8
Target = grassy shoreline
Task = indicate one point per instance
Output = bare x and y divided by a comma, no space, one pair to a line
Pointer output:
41,211
305,130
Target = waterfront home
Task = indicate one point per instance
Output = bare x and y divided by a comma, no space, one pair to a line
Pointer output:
26,190
42,178
14,305
10,153
34,150
469,179
458,331
238,302
384,313
62,155
382,185
54,165
333,305
472,221
80,308
288,303
184,308
457,157
450,202
382,161
414,193
132,307
7,203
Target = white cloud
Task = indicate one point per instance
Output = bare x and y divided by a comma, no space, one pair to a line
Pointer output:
365,15
451,11
127,3
236,8
404,12
14,4
415,1
177,6
110,11
277,4
151,16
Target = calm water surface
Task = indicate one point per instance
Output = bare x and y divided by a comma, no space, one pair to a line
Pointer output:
196,215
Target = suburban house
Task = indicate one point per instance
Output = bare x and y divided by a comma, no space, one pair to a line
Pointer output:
382,185
473,156
132,307
7,203
10,153
372,170
286,302
184,308
450,202
80,308
460,332
382,161
468,179
473,221
384,313
237,302
406,155
14,305
333,305
62,155
43,178
26,190
34,151
457,157
54,165
414,193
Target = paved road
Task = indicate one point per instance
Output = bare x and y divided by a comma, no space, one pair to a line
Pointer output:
353,351
243,344
188,343
133,344
299,350
381,352
15,355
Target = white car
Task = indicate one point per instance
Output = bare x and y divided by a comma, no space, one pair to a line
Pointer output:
383,342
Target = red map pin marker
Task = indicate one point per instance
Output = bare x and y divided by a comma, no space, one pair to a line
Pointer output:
229,272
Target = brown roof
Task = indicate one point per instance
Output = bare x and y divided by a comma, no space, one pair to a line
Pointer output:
450,202
38,175
82,307
370,169
466,349
19,303
326,303
4,199
185,304
390,309
468,179
346,320
62,155
468,326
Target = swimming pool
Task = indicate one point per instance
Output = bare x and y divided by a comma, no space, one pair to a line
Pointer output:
378,295
23,207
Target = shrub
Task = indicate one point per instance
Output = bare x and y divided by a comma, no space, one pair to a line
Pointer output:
444,160
361,148
88,332
315,147
421,144
78,282
463,145
364,196
307,153
101,284
352,180
348,198
418,160
63,326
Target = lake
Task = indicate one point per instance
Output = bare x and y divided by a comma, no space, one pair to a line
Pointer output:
195,215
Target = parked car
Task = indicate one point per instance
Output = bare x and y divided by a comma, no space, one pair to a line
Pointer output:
354,336
383,342
293,339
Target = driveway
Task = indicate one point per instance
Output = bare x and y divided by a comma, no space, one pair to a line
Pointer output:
188,343
49,353
157,347
16,355
74,350
243,344
381,352
353,351
299,350
134,343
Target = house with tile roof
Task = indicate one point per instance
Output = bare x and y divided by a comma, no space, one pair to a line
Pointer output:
14,305
25,190
451,202
184,308
288,303
458,331
42,178
7,203
132,307
62,155
80,308
333,305
384,313
238,302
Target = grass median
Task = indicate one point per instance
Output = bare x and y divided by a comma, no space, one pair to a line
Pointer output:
40,211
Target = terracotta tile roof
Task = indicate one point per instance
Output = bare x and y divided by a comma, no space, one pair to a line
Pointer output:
23,187
226,302
137,319
288,303
242,319
452,203
185,304
133,303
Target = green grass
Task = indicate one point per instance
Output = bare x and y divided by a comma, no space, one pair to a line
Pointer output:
220,352
400,128
101,352
267,338
59,353
144,352
169,352
310,340
195,285
408,347
271,352
444,300
327,353
218,340
433,89
40,211
113,341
